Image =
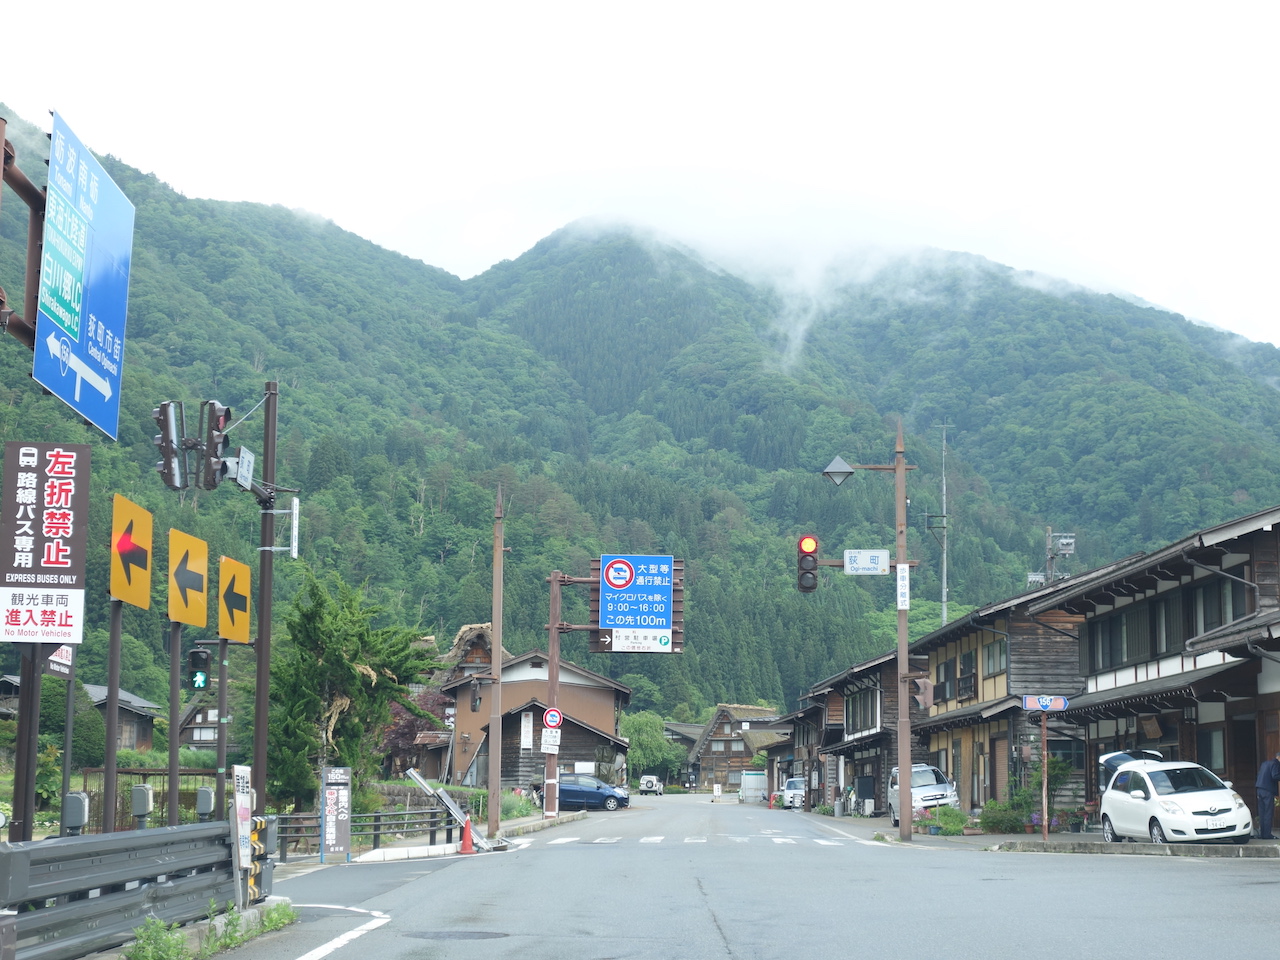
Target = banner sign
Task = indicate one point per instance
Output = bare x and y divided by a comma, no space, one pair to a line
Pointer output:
335,810
43,540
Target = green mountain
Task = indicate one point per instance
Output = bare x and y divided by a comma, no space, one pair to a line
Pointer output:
631,397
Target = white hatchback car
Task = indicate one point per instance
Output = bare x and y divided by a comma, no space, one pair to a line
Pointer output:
1172,801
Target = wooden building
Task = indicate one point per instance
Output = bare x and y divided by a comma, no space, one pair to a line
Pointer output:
1177,650
721,753
591,705
859,744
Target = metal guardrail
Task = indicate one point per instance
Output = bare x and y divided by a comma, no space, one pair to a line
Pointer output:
301,831
77,895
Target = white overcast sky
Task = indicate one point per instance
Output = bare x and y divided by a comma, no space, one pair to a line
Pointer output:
1127,146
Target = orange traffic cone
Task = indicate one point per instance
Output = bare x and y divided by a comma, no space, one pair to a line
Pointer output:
467,845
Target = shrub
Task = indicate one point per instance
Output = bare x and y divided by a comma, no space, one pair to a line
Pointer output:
1001,817
951,820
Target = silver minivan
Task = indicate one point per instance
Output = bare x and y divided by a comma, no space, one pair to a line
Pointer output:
930,787
793,792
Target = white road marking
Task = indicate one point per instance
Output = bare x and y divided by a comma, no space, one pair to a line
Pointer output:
606,840
651,839
379,918
695,839
563,840
783,840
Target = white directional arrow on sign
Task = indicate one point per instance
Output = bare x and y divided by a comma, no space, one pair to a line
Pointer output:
60,347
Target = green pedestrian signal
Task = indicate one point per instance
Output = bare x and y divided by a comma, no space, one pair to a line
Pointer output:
198,669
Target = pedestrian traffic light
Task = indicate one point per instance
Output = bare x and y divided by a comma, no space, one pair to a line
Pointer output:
216,444
172,465
198,669
807,564
924,692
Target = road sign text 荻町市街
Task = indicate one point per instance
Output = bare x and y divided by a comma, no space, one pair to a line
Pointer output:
636,602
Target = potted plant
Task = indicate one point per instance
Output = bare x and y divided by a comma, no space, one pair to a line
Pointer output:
1075,821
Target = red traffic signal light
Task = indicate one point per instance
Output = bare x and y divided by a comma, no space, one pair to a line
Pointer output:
217,445
807,564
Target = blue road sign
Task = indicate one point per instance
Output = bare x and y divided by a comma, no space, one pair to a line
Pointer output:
84,283
636,592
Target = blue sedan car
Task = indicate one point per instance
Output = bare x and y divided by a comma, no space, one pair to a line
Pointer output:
582,790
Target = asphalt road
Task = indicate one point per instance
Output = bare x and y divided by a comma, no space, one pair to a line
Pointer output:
682,877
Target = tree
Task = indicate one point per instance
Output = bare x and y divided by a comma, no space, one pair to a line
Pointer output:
649,751
89,729
333,687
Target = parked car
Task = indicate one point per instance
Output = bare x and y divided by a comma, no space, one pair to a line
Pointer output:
1172,801
650,784
793,792
582,790
930,788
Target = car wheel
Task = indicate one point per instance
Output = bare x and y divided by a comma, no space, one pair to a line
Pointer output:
893,816
1109,831
1157,832
611,803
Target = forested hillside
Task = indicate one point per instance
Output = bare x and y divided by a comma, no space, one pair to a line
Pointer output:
631,398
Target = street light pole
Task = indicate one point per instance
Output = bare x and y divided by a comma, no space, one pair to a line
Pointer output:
837,472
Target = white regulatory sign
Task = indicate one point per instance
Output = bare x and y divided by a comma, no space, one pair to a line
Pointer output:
550,740
866,562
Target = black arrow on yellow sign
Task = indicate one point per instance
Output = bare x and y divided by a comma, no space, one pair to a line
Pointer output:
131,554
187,579
235,601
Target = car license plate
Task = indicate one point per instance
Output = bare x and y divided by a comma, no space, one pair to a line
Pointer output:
1217,824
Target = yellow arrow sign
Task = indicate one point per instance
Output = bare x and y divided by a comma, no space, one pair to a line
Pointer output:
233,600
188,579
130,553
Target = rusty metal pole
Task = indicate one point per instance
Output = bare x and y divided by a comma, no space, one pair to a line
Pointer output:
175,690
495,690
550,773
113,717
22,329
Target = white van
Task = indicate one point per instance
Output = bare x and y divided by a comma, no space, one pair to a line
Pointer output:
793,793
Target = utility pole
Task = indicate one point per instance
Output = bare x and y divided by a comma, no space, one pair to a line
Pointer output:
495,693
838,472
266,567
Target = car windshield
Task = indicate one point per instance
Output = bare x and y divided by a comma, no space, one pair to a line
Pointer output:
794,785
1184,780
927,778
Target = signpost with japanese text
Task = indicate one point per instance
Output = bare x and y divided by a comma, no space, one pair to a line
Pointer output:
638,601
45,530
84,283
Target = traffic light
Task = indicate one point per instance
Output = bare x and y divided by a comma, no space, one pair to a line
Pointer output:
807,564
216,444
198,669
172,465
924,692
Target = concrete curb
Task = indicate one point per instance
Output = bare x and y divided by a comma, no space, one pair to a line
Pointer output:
1205,850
